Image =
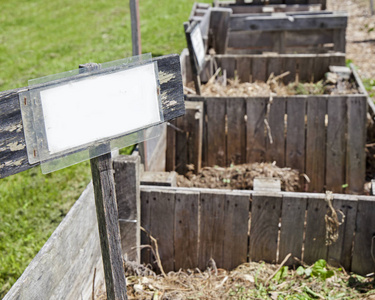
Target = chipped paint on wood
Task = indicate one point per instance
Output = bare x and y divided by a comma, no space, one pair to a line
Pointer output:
165,77
16,146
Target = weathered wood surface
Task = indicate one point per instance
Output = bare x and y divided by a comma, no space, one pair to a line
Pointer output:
219,228
159,178
251,8
13,156
65,266
109,230
127,181
219,24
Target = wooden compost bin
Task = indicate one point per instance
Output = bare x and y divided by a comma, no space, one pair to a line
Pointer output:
321,136
230,32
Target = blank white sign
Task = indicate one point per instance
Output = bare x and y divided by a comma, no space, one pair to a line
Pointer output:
100,107
197,41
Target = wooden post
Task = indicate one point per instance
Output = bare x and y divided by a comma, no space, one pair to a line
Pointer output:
107,214
136,32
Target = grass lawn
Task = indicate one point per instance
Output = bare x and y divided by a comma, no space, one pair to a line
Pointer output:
40,38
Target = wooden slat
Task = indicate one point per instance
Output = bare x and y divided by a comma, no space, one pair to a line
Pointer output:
362,262
219,24
316,142
186,230
356,157
320,68
236,134
336,144
216,140
276,150
236,216
265,214
228,64
211,229
243,68
13,157
146,254
275,65
295,136
290,65
126,174
339,39
340,252
255,139
162,220
259,69
170,153
314,247
292,227
304,65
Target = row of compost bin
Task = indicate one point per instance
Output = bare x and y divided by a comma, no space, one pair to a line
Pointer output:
321,136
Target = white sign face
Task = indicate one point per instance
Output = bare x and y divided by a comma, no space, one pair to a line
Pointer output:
197,41
100,107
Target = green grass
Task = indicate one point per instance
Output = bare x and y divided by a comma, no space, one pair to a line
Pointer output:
40,38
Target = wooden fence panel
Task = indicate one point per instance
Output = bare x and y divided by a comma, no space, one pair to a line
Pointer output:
275,65
216,138
315,247
227,63
146,253
304,65
336,143
236,225
340,252
295,134
356,162
259,69
363,262
243,68
292,226
276,150
236,131
315,143
186,230
211,229
255,142
265,214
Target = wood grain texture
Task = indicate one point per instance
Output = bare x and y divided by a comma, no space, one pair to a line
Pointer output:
356,157
340,252
255,142
135,25
236,131
186,230
170,153
236,216
64,267
295,134
109,232
292,227
126,175
265,214
216,137
336,144
13,157
276,120
314,247
362,262
316,143
146,253
219,25
211,229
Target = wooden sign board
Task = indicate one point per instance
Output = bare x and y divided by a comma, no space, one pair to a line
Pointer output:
13,154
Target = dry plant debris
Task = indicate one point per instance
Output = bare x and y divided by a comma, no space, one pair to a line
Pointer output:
219,86
251,281
240,177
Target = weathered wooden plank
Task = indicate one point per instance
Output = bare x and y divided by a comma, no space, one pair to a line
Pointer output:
321,67
236,131
216,138
275,65
135,26
316,142
340,252
304,65
290,65
170,153
64,267
292,227
186,230
265,214
219,24
236,216
228,64
295,135
279,23
362,262
211,229
126,174
146,201
276,120
356,157
162,220
13,157
314,247
243,68
339,41
259,69
255,142
303,38
109,231
336,144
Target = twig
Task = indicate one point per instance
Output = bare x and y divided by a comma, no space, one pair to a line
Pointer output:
212,79
189,90
93,285
278,269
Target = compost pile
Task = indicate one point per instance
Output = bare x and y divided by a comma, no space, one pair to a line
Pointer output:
248,281
219,86
240,177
